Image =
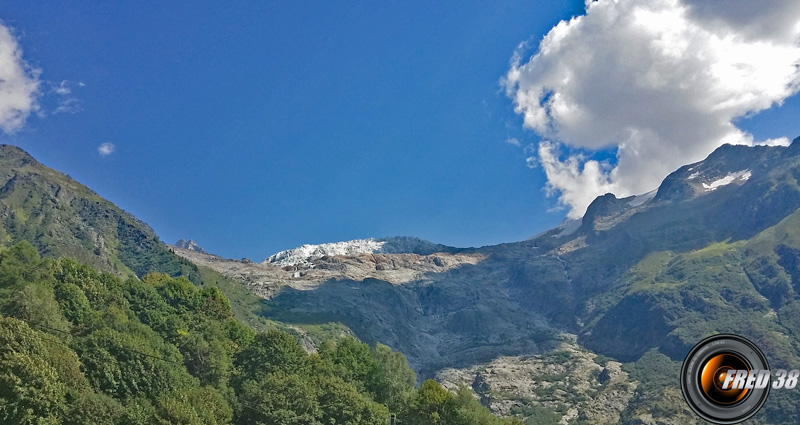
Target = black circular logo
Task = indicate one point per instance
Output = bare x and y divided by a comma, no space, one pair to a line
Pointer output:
705,372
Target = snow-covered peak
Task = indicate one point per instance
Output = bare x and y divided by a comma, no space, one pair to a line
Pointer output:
305,253
396,245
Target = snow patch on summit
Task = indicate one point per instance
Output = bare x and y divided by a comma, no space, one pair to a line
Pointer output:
641,199
743,175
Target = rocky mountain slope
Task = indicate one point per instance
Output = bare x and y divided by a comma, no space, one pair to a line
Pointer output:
566,384
715,249
308,272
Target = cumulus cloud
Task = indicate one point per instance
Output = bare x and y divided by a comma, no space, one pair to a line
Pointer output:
106,149
19,84
658,81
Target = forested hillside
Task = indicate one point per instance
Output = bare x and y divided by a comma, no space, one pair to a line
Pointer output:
82,347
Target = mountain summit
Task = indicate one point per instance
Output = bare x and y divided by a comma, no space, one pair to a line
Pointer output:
189,245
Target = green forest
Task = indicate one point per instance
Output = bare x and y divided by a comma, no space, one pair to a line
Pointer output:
82,347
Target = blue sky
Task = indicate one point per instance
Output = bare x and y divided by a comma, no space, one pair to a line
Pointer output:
262,126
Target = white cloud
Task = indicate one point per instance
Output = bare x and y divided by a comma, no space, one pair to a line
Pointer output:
62,89
782,141
68,106
514,141
67,103
106,149
659,80
19,84
591,176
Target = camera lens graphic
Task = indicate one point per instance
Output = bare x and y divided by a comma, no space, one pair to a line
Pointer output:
704,373
713,374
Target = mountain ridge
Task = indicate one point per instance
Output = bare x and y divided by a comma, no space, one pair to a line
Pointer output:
60,216
680,199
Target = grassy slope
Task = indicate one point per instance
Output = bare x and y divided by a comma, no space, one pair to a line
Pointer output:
745,287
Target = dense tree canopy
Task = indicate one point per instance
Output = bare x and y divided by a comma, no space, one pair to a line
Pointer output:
78,346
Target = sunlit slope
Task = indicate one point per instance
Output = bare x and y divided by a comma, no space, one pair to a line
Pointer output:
60,216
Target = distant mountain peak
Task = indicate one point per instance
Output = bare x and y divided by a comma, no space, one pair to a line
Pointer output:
393,245
190,245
